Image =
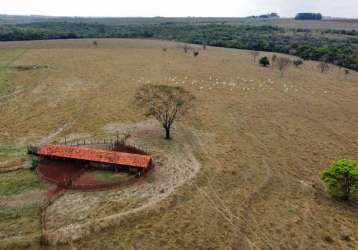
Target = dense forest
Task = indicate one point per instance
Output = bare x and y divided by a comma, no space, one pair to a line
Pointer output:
335,46
308,16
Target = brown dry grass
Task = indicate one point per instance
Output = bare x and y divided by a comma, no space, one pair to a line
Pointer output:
264,140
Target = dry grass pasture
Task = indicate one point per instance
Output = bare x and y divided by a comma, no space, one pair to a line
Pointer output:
241,173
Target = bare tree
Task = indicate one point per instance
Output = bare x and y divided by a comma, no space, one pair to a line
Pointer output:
274,58
282,64
186,48
204,46
255,54
164,103
95,44
165,49
323,65
195,53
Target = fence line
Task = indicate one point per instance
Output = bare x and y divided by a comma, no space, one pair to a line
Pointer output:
109,142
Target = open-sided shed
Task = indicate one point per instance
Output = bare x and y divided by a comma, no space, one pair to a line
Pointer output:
90,155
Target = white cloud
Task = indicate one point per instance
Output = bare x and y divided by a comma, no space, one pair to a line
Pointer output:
344,8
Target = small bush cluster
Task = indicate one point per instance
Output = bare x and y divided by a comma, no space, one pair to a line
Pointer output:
34,163
297,62
264,61
341,179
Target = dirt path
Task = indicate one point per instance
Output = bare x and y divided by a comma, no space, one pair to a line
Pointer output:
5,98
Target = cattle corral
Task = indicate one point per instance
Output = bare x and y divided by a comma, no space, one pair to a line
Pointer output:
250,153
74,167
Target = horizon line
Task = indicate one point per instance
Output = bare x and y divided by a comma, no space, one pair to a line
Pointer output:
79,16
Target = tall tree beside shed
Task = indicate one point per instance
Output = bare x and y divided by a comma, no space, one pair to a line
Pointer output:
165,103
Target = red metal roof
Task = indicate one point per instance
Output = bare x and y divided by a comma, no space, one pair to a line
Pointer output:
96,155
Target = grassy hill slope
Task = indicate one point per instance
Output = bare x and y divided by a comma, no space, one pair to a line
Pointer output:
262,141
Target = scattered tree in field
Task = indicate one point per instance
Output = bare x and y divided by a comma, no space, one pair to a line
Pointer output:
264,61
165,49
204,46
346,73
297,62
195,53
273,59
186,49
323,65
341,178
255,54
282,64
165,103
95,43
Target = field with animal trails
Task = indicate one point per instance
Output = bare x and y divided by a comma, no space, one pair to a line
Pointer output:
242,169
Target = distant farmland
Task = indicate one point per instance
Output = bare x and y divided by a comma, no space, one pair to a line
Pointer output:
334,42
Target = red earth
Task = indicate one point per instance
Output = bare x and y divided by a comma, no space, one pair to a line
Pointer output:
58,172
71,176
90,180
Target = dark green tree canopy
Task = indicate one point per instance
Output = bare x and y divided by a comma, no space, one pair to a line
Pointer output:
341,178
264,61
308,16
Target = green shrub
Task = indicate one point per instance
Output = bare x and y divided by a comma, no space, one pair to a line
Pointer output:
264,61
34,163
341,178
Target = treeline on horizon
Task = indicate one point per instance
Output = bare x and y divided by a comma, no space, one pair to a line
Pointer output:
339,47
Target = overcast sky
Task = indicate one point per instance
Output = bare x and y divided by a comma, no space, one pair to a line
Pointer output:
222,8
